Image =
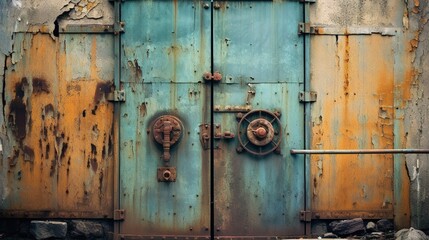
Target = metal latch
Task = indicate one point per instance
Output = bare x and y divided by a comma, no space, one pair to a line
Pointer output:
205,135
116,96
306,28
216,76
305,216
307,97
119,214
225,135
205,131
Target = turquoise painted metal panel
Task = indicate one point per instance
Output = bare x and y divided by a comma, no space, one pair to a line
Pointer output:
257,186
259,53
165,41
166,50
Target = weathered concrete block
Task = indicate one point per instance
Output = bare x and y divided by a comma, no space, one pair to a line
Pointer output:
319,228
349,227
410,234
48,229
385,225
86,229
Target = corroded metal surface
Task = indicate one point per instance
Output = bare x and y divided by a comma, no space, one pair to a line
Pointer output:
165,51
356,111
57,141
259,53
164,72
56,126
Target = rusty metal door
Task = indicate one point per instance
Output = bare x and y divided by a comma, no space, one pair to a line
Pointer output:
211,112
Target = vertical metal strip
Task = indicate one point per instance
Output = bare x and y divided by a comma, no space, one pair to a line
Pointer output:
211,125
307,119
116,117
401,184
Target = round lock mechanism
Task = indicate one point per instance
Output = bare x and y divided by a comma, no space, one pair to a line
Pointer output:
259,132
167,131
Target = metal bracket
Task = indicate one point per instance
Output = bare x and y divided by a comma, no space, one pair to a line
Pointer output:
307,1
305,216
225,135
232,109
307,97
205,131
205,135
167,174
306,28
118,27
118,214
116,96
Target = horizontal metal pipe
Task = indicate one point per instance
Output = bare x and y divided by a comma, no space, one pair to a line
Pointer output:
360,151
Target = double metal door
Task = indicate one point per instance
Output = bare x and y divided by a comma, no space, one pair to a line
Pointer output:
211,113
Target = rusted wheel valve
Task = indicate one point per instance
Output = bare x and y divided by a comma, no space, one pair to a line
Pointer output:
167,131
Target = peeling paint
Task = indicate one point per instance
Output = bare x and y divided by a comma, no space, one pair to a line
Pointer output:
416,111
49,137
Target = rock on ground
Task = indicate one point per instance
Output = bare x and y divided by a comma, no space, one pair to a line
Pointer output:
48,229
385,225
86,229
370,227
348,227
410,234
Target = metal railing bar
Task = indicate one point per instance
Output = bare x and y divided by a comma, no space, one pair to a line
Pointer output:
359,151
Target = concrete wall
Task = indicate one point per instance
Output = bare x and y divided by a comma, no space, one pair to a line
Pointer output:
417,111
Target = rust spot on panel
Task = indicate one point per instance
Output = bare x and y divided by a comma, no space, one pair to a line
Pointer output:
103,152
110,146
53,167
40,86
93,158
143,109
346,66
94,164
73,88
49,109
136,69
100,187
18,111
64,150
47,150
101,90
14,158
28,154
94,110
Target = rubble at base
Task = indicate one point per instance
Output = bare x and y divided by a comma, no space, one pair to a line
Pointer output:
357,228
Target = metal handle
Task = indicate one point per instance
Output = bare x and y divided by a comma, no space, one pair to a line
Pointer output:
360,151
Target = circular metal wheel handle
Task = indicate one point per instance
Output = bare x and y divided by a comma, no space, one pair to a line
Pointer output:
259,132
175,131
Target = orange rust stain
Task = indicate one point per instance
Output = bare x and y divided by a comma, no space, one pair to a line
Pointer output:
93,57
61,122
347,116
346,66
